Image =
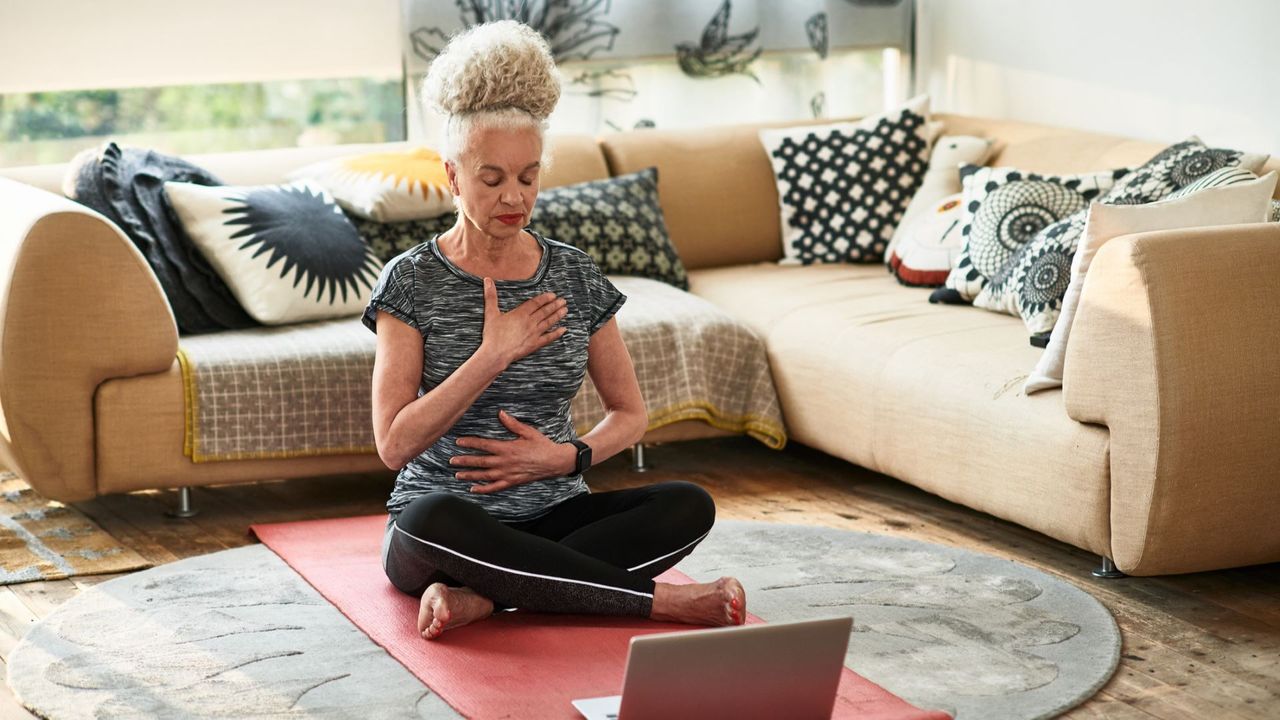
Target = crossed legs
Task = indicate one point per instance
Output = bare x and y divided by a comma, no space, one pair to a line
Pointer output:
595,553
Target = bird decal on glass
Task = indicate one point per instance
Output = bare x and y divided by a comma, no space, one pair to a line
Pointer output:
574,29
816,28
719,53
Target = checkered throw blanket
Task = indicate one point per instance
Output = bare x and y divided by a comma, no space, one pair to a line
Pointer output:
306,389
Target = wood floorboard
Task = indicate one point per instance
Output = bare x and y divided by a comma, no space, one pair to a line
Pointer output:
1205,645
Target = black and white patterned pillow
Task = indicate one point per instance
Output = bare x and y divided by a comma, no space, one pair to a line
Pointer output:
617,221
390,239
1035,281
1222,176
843,188
1004,209
1176,166
287,252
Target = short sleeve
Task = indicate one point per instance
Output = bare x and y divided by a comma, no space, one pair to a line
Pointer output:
604,298
393,293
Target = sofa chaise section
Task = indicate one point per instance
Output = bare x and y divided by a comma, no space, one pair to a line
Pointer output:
1176,351
869,371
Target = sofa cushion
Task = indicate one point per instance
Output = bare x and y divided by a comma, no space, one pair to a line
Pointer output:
868,371
929,244
1004,208
387,185
617,221
275,244
843,187
942,179
1033,283
389,239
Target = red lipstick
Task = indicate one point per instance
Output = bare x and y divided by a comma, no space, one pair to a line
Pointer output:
511,219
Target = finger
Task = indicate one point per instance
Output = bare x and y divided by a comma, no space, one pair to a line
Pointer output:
555,310
513,424
490,298
478,443
551,336
480,461
539,302
492,487
479,476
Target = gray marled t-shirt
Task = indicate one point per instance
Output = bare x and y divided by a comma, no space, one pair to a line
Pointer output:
446,304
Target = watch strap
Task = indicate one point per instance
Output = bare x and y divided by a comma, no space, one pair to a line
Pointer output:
583,458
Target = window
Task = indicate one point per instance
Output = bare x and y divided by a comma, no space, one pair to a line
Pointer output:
51,127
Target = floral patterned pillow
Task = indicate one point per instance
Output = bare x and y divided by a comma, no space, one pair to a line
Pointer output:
1035,281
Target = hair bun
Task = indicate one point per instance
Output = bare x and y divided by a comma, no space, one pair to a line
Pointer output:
496,65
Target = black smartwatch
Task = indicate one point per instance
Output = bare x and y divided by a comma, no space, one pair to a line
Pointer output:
584,457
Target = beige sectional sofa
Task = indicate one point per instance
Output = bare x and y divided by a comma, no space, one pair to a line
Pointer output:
1159,451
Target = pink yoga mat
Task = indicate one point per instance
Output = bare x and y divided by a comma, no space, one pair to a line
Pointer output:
513,665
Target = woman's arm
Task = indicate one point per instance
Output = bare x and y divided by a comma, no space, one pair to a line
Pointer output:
626,419
404,424
532,456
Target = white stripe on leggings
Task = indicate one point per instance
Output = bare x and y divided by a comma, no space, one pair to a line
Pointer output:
519,572
673,552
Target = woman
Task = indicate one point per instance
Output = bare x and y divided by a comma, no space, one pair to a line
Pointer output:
498,326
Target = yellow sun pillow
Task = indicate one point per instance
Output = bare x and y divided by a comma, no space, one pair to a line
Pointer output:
385,186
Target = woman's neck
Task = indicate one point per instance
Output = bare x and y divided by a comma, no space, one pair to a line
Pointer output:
470,247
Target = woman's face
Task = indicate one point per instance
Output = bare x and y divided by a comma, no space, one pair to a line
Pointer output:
495,181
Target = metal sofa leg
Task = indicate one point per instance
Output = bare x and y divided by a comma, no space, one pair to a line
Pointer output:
637,458
1108,570
184,509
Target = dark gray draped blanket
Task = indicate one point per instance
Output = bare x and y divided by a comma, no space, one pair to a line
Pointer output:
127,186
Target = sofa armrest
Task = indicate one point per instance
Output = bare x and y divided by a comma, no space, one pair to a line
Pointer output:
78,305
1176,349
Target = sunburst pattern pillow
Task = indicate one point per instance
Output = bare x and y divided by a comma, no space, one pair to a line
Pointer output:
287,252
385,186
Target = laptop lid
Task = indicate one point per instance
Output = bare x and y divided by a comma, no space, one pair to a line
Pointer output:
771,670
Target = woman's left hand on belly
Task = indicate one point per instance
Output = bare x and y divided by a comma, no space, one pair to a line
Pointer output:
501,464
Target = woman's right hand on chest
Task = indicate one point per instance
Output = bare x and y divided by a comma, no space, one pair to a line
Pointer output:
531,325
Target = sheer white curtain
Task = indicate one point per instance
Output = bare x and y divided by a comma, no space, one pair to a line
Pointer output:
48,45
682,63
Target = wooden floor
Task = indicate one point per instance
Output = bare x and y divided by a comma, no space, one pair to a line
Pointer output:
1195,646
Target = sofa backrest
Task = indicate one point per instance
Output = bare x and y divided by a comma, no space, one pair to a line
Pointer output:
716,187
576,158
716,184
721,203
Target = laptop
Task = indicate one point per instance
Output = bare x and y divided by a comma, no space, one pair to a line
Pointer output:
772,670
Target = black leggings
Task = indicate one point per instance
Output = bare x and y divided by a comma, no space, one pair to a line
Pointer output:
595,553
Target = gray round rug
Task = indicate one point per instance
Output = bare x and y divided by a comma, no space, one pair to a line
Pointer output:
239,634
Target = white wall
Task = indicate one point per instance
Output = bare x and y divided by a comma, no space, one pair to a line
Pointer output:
1152,69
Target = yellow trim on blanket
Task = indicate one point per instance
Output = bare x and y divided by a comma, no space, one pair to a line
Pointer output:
773,435
188,403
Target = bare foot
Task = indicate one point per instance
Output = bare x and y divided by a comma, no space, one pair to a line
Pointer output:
722,602
443,608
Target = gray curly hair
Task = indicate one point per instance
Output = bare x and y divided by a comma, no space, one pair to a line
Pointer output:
499,74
